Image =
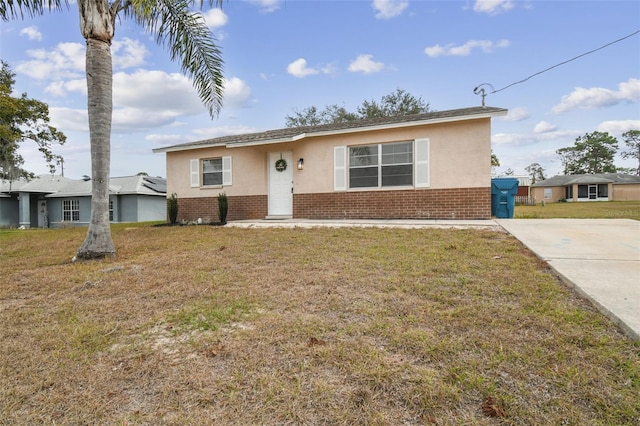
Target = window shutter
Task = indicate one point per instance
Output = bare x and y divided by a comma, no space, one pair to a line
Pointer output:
226,171
422,163
195,173
339,168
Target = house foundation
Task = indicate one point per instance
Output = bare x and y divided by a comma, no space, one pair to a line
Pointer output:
456,203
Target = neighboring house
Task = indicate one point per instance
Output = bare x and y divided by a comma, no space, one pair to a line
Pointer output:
588,187
524,183
54,201
432,165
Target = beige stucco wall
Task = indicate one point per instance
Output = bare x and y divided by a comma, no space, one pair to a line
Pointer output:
557,194
460,156
626,192
617,192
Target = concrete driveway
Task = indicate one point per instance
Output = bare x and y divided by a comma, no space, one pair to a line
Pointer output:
600,257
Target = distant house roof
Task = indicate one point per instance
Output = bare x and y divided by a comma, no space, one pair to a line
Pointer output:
59,186
523,180
42,184
565,180
291,134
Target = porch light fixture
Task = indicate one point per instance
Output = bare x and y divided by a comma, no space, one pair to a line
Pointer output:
301,164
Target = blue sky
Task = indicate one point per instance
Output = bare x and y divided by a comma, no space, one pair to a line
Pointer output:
286,55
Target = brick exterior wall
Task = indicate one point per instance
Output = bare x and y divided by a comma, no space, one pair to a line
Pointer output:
244,207
457,203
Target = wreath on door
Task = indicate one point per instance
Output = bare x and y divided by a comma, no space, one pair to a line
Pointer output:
281,165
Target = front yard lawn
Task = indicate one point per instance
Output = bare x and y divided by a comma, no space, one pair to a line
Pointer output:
581,210
214,325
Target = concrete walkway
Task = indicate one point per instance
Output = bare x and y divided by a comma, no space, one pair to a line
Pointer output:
365,223
599,257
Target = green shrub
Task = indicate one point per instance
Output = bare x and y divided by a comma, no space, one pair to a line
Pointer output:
172,207
223,207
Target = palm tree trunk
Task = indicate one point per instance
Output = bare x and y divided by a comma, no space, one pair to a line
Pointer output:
97,27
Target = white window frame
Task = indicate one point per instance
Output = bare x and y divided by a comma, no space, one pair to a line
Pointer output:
421,169
214,173
380,165
196,172
71,208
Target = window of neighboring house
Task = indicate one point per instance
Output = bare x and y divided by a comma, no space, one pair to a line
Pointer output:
381,165
547,193
583,191
603,190
110,210
70,210
212,171
569,192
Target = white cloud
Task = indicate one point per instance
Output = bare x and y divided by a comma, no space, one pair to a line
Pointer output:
544,127
267,6
166,140
493,7
618,127
517,114
32,33
156,92
237,94
68,119
215,18
486,46
60,88
387,9
66,60
365,64
143,100
521,139
598,97
298,68
128,53
513,139
128,120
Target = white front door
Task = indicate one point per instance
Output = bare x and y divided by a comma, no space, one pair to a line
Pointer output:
280,184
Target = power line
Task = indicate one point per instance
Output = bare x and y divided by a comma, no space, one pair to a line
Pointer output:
479,90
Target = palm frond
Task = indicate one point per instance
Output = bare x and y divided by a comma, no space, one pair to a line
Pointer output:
189,40
17,9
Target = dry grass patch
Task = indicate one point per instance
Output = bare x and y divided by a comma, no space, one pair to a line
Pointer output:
212,325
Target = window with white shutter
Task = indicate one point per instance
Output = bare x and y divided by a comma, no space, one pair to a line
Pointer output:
226,171
422,163
195,173
339,168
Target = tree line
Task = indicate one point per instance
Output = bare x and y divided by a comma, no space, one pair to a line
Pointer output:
595,152
592,153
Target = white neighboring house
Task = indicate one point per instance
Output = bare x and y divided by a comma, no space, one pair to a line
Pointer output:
55,201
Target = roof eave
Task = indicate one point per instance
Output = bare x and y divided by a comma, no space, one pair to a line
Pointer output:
348,130
402,124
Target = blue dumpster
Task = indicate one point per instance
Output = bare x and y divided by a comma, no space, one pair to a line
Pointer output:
503,197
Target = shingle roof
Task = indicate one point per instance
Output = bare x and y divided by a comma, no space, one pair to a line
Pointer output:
59,186
291,134
117,185
41,184
564,180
